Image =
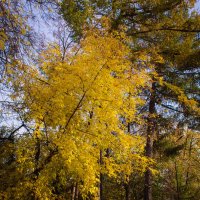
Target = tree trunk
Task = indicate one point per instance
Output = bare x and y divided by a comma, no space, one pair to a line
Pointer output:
101,178
37,158
177,182
73,192
76,191
127,191
188,169
126,185
149,143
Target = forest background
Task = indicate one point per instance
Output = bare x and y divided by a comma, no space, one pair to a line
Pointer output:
99,99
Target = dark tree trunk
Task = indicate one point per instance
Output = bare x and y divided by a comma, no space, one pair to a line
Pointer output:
126,185
177,183
188,169
101,178
127,191
149,143
37,158
36,171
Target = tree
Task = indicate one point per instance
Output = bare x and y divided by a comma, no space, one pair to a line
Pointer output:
77,106
165,30
124,74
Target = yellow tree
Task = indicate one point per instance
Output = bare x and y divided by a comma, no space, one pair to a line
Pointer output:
79,108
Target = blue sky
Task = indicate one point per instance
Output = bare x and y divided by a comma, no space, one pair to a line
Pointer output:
47,28
198,5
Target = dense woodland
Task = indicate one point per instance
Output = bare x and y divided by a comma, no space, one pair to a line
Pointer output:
108,108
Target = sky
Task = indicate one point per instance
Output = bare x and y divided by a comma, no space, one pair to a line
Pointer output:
46,28
197,6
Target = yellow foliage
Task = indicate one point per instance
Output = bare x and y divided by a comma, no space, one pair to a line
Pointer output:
182,98
81,101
